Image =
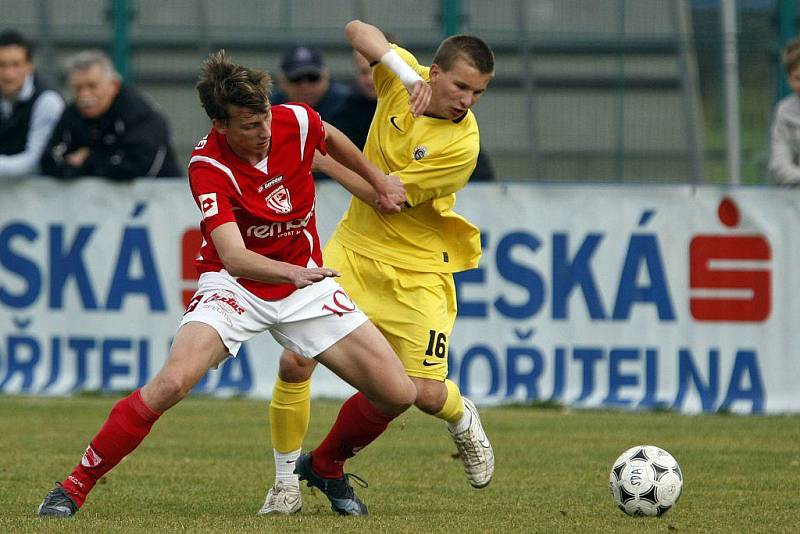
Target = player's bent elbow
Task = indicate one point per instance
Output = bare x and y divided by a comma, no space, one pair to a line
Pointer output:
352,29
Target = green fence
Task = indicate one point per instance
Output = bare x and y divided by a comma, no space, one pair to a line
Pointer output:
585,90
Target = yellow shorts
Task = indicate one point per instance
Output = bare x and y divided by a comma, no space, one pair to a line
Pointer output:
414,310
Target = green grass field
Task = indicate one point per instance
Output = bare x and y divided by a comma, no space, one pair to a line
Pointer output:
207,464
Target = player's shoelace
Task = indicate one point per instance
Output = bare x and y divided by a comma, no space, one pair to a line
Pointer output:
279,493
474,453
345,486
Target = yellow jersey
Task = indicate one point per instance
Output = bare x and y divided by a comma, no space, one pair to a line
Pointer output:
433,158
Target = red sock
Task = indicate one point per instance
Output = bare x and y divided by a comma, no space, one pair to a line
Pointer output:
128,423
358,424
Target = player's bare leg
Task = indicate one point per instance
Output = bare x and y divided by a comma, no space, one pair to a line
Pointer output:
197,348
366,361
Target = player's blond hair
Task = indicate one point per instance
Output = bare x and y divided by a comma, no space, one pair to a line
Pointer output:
223,83
467,47
791,55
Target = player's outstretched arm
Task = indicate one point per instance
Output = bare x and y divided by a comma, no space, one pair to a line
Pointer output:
359,175
366,39
372,44
355,184
241,262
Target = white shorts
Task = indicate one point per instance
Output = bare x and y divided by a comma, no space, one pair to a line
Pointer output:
307,322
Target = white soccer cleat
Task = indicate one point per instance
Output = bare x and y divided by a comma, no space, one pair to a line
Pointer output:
475,450
282,499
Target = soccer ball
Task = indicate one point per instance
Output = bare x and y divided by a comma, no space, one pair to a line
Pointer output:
645,480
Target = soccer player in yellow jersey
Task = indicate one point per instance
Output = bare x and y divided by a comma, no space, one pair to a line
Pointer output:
399,268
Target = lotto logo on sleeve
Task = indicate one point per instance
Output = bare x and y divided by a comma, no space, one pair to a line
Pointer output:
208,205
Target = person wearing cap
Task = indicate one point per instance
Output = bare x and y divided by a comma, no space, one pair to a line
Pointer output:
305,78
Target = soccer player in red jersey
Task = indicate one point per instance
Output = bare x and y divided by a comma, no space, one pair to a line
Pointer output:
261,270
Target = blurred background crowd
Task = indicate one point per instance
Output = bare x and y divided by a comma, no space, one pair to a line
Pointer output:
585,90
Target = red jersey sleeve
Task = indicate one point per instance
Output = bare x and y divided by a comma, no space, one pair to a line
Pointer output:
213,195
321,145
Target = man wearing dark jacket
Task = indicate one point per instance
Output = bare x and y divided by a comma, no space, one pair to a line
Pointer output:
109,130
29,107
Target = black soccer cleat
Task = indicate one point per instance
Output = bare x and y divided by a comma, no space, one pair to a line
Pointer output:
337,490
57,503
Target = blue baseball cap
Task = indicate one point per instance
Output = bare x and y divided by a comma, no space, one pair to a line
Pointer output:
301,60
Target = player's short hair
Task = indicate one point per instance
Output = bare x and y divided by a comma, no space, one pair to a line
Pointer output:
87,59
791,55
468,47
223,83
15,38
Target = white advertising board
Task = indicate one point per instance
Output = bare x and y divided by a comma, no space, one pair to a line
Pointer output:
630,296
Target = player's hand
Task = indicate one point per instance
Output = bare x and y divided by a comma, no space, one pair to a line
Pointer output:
302,277
320,163
420,97
392,196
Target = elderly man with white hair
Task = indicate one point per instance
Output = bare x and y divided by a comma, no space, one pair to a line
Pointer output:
109,129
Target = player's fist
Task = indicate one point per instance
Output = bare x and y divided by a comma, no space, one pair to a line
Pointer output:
419,98
392,195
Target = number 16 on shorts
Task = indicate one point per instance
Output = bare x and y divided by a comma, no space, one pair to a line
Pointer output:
437,348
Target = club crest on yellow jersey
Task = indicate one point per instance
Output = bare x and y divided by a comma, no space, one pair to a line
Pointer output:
420,152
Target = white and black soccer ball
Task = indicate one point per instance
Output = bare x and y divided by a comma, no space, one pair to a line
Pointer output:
645,481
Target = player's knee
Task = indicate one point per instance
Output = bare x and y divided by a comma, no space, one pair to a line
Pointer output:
406,395
428,405
168,389
295,368
396,398
430,397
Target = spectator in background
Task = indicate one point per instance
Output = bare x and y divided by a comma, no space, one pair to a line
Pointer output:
305,78
355,114
29,107
784,156
109,130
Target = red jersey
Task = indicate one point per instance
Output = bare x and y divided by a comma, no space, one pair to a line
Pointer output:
272,202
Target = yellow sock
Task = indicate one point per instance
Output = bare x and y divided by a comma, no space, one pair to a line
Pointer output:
289,412
453,407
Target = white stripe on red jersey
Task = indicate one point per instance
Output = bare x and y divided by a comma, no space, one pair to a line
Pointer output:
302,119
217,164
